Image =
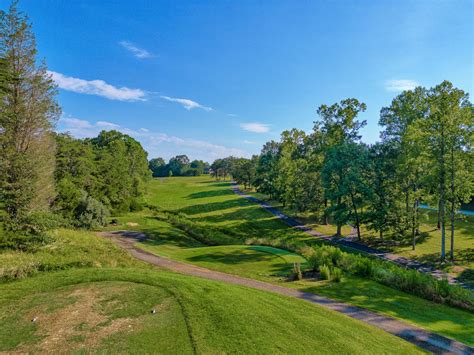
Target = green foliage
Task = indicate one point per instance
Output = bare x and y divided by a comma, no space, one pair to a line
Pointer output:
324,272
243,171
110,170
297,274
178,166
336,274
91,213
28,111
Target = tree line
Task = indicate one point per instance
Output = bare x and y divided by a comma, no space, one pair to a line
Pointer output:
48,178
424,155
179,165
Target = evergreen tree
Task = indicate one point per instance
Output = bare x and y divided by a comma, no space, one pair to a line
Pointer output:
27,114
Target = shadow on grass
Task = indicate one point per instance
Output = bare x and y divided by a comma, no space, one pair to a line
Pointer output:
243,257
467,276
213,206
210,193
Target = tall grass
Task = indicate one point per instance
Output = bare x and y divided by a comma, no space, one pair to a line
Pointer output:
384,272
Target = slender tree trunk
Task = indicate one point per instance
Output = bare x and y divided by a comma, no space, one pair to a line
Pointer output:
439,215
325,217
357,217
451,253
442,181
338,231
414,228
381,234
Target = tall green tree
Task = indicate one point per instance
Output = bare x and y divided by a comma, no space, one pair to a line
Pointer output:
267,169
345,180
337,125
447,135
157,167
399,120
28,113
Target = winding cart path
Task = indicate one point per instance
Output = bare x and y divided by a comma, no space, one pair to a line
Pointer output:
429,341
351,243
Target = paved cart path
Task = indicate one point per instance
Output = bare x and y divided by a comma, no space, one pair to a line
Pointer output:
349,242
418,336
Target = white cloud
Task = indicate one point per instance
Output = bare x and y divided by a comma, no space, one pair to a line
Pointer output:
155,143
249,142
231,115
186,103
76,123
107,125
255,127
400,85
97,87
136,51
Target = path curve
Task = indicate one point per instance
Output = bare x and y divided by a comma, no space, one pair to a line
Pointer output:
349,242
415,335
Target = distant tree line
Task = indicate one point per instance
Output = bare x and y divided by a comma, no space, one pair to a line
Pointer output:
425,155
179,165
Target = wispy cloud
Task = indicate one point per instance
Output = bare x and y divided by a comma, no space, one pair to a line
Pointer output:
155,143
400,85
97,87
231,115
249,142
187,103
255,127
136,51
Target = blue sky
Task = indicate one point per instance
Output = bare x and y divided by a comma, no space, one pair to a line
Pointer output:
215,78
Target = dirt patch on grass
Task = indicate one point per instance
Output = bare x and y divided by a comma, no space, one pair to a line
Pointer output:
80,324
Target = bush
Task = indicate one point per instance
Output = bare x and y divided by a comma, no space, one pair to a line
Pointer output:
297,274
325,272
384,272
336,274
91,213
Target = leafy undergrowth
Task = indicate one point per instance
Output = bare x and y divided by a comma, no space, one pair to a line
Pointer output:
108,310
66,249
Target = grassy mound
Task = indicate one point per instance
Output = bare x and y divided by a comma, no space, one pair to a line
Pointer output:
108,310
68,249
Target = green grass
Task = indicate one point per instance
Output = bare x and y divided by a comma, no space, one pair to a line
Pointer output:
214,204
68,249
265,264
427,249
108,310
240,260
305,217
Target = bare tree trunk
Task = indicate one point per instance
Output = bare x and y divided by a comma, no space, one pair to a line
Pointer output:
451,253
442,196
414,229
325,221
439,216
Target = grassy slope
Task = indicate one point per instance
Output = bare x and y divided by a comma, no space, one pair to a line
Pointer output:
171,242
192,313
68,249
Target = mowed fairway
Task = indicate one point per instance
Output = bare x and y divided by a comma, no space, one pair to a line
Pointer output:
214,203
270,264
108,310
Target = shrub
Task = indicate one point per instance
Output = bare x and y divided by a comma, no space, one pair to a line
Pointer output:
297,274
336,274
325,272
91,213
